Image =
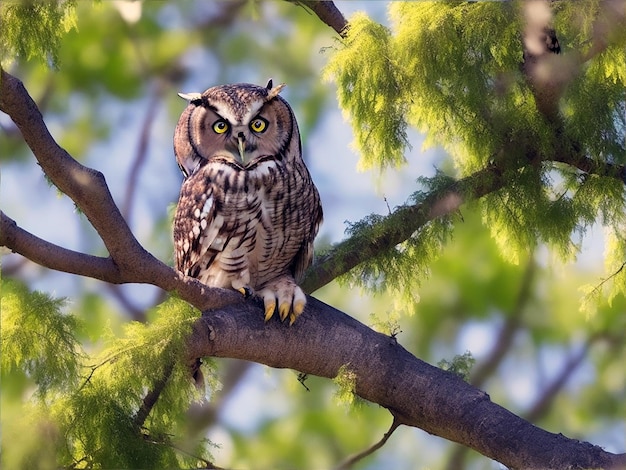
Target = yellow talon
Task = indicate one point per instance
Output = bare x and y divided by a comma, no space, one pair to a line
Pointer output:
283,310
298,307
245,291
292,318
269,310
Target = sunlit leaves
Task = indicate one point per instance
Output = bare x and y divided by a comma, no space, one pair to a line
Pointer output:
38,339
99,419
460,82
613,285
34,29
93,402
453,71
346,383
460,365
370,93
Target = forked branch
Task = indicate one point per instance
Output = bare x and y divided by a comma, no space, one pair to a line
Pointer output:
128,261
418,394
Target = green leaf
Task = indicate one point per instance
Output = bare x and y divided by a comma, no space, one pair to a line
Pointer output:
34,29
38,339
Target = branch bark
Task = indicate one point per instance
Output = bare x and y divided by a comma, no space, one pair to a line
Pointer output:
128,260
328,13
416,393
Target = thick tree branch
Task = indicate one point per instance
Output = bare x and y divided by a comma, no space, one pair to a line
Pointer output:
83,185
416,393
485,369
128,261
55,257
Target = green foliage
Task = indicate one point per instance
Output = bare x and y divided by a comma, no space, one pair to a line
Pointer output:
616,262
615,265
90,405
452,71
38,340
401,269
460,365
370,94
440,70
448,69
345,393
34,29
99,419
387,323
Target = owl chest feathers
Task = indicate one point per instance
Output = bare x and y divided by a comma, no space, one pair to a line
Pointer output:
244,226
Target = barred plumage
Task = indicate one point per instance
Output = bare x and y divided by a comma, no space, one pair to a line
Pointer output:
248,210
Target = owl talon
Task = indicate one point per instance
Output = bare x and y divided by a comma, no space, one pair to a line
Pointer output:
269,310
245,291
283,310
298,307
235,227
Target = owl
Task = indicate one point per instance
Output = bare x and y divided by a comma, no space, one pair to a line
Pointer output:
248,211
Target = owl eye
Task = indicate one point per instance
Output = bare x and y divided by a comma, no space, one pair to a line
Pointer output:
258,125
220,126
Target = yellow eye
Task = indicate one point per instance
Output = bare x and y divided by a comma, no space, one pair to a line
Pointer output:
258,125
220,126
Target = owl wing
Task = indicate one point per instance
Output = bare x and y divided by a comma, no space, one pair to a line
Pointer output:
198,227
304,257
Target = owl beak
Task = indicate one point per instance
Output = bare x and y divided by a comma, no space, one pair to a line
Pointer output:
241,146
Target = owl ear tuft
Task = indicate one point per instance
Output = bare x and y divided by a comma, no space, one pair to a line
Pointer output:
270,84
194,98
273,93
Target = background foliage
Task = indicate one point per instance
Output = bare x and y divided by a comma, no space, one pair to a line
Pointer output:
503,278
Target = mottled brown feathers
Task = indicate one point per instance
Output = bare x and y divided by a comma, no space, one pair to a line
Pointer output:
248,210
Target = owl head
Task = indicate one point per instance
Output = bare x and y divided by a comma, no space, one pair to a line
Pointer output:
240,125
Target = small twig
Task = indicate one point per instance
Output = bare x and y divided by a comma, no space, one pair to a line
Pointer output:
152,396
387,204
350,461
208,465
598,288
302,378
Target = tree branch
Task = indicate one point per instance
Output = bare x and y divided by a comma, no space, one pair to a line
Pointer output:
504,341
350,461
128,261
547,396
55,257
415,392
328,13
399,226
511,326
